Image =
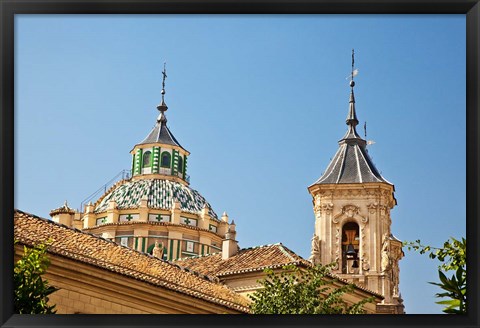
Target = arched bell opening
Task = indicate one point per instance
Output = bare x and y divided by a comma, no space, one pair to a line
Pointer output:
350,248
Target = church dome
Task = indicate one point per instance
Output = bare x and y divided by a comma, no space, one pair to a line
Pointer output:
160,194
155,210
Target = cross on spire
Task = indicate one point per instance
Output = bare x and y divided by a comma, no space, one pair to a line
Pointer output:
164,73
163,106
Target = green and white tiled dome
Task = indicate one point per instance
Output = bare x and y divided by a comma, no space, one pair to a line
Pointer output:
160,194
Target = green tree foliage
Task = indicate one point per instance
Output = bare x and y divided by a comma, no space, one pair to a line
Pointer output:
296,291
30,290
453,257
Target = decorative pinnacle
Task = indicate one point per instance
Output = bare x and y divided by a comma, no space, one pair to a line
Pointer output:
163,107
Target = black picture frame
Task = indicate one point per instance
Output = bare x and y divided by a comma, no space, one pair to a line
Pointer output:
9,8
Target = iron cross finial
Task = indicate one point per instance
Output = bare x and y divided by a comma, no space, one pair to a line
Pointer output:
163,107
164,73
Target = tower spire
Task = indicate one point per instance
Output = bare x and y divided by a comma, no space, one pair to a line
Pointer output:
352,115
163,106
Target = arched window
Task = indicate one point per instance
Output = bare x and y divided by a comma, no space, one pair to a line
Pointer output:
350,248
180,164
166,159
147,159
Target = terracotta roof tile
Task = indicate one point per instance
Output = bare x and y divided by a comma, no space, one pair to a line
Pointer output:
103,253
252,259
246,260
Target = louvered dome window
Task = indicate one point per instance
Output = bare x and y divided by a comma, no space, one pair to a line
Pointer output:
166,159
180,164
147,159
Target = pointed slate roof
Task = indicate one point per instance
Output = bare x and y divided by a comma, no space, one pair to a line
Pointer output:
161,134
351,163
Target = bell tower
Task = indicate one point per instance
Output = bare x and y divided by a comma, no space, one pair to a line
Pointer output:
352,203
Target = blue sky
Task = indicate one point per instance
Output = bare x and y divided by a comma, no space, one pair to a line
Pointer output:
260,102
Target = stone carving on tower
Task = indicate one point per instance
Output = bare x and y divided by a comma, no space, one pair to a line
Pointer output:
315,255
352,203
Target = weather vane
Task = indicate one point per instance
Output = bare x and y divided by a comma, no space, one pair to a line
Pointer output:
354,70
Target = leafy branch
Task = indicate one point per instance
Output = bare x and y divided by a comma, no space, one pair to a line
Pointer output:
453,257
30,290
298,291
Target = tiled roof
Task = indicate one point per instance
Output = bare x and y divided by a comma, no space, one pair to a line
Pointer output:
351,164
161,134
250,260
160,193
87,248
246,260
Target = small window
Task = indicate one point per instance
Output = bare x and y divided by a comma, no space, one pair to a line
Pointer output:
188,221
180,164
166,159
159,217
212,227
101,221
147,156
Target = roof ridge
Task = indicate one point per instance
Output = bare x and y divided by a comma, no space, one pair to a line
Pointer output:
196,256
172,136
259,246
289,252
369,161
